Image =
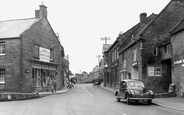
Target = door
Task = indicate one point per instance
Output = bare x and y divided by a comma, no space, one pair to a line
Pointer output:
122,89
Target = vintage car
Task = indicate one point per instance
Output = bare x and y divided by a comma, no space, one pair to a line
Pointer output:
134,90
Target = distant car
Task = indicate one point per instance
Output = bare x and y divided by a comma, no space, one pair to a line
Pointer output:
134,90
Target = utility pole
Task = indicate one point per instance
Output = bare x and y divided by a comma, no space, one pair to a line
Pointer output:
105,39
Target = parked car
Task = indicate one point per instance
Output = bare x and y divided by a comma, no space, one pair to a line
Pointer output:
134,90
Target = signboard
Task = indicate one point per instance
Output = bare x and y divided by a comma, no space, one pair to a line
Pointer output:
157,71
154,71
151,71
44,54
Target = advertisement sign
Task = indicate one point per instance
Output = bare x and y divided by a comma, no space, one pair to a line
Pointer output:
157,71
44,54
151,71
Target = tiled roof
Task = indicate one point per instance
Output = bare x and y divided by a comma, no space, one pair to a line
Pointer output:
14,28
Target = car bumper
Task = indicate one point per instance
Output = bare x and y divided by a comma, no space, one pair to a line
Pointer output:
140,98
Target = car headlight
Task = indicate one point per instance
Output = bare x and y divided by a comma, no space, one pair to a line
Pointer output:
132,92
151,92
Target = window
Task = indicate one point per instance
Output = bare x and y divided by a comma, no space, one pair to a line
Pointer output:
36,51
155,51
51,55
2,48
2,75
135,55
167,48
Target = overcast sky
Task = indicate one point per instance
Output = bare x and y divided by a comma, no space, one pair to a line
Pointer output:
82,23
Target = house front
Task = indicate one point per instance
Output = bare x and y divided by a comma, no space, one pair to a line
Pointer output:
177,43
31,55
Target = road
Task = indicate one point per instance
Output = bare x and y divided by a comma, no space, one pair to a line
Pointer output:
83,99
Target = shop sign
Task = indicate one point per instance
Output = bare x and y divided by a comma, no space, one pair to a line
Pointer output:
44,67
52,68
151,71
36,65
135,63
44,54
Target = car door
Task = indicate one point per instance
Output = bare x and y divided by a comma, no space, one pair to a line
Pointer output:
122,89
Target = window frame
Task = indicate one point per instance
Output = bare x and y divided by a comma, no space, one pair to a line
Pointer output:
2,72
51,55
2,51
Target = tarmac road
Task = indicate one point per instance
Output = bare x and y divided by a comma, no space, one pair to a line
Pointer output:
83,99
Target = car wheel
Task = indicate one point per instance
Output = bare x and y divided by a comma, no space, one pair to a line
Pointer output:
127,99
117,98
149,102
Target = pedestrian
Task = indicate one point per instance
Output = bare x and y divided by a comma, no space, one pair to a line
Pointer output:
54,85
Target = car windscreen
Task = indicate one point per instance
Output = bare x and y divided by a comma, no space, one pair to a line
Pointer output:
135,84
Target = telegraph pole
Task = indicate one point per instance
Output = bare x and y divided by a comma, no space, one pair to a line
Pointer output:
105,39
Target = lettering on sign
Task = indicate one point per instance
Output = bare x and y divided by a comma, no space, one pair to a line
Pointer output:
44,54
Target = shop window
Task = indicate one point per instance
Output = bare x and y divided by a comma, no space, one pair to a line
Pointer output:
2,75
2,48
38,81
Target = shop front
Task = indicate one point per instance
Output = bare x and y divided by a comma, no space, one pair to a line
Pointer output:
42,75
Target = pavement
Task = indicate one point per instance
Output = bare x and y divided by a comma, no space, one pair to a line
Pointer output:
12,96
64,90
176,103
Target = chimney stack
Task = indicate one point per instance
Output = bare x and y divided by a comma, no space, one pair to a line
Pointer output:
42,12
143,18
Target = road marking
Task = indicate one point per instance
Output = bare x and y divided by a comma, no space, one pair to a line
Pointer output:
123,114
88,91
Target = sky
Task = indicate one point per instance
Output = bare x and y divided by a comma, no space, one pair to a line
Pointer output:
82,23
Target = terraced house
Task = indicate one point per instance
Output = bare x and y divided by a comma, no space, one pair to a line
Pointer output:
145,52
30,54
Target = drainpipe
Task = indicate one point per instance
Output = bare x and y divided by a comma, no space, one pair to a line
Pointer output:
21,50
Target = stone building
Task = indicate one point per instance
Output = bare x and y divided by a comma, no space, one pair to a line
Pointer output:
153,56
112,61
30,54
130,51
177,43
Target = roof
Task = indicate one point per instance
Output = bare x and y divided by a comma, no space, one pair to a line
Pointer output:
136,31
14,28
178,27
